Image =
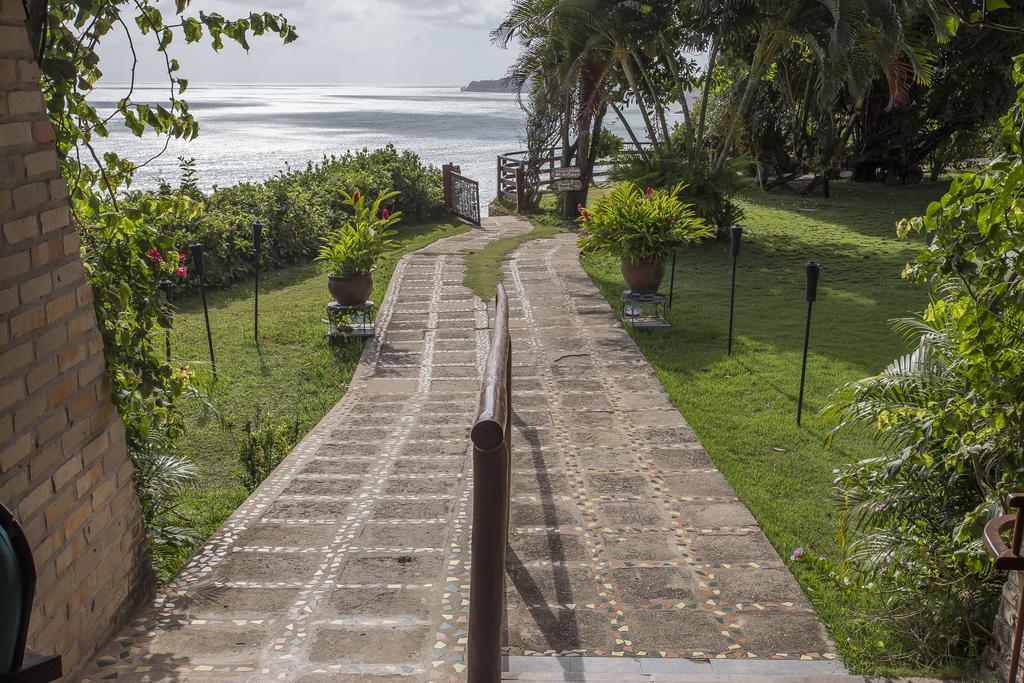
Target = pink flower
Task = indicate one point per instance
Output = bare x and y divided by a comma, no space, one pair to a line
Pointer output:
182,271
796,554
385,214
181,257
154,254
649,192
582,210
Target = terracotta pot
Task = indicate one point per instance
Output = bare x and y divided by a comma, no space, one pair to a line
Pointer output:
643,277
353,290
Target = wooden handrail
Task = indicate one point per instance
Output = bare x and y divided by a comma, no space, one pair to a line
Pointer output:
1008,558
492,478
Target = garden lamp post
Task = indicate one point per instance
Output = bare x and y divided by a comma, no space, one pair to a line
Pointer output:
200,267
168,288
257,244
813,274
737,235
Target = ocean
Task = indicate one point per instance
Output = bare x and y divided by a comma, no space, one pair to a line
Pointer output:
250,132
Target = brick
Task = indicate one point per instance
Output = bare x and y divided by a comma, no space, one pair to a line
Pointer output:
5,331
66,472
58,507
28,321
21,229
50,341
14,39
12,9
29,196
84,294
71,244
45,461
61,306
36,498
8,299
66,275
8,71
13,455
42,132
28,71
14,265
47,251
58,189
92,370
25,102
50,427
71,357
81,324
81,404
102,493
28,412
13,485
60,393
12,134
6,202
76,435
6,427
12,392
55,219
16,358
35,288
41,164
41,374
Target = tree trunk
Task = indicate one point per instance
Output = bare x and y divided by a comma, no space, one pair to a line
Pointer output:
629,128
627,70
706,95
761,57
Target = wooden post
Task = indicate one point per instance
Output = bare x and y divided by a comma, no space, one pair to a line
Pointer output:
520,187
446,183
499,176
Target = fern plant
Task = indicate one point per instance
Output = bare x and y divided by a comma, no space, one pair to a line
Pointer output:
355,247
639,226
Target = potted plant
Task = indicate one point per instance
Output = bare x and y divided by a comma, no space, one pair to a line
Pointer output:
353,250
642,228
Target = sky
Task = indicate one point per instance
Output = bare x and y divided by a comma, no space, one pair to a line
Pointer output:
407,42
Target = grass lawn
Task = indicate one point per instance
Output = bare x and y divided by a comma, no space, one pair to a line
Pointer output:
743,406
293,374
483,266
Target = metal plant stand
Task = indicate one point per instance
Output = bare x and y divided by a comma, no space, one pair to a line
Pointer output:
350,321
644,310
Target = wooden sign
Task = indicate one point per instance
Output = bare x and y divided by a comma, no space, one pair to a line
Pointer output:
566,173
567,185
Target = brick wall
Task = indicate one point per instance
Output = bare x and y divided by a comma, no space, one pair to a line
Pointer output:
63,467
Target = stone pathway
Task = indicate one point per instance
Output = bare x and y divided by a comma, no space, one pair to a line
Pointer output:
351,562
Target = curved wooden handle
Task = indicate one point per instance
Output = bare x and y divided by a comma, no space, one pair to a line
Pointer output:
1007,557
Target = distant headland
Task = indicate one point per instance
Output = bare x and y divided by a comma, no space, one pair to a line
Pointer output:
496,85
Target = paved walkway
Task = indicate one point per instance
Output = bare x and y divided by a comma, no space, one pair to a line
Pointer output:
350,563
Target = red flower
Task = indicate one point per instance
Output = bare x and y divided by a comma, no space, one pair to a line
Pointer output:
385,214
649,192
355,197
181,257
582,210
154,254
182,271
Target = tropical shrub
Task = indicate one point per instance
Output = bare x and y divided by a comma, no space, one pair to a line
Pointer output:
297,209
709,190
950,416
355,247
640,225
264,444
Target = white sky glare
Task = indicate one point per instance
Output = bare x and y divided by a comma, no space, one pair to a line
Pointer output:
407,42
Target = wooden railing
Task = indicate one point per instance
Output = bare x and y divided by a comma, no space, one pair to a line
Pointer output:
512,171
492,478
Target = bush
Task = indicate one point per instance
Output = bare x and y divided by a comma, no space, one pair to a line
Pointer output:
709,191
950,417
297,209
264,445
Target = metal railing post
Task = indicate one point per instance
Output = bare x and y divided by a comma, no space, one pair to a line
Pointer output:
492,481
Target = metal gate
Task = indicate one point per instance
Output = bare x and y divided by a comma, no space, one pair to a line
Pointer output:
461,195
